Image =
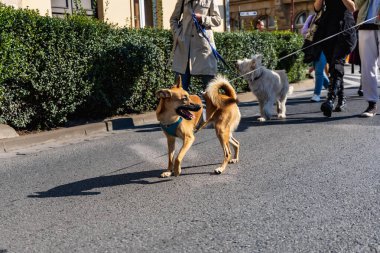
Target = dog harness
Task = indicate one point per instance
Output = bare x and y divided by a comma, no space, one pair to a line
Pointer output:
171,128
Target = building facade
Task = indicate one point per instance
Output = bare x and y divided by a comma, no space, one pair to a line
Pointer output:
236,14
129,13
276,14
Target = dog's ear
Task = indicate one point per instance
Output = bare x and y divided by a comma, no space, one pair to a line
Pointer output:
178,81
164,93
238,63
252,64
259,58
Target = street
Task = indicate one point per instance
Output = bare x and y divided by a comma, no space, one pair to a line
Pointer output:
304,184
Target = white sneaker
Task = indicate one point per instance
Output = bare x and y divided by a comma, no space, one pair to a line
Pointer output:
315,98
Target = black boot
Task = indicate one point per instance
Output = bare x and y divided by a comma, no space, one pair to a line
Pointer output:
341,105
328,105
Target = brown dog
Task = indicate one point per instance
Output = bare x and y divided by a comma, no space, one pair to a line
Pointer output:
174,106
222,110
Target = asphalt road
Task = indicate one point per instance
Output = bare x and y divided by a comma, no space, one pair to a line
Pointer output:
304,184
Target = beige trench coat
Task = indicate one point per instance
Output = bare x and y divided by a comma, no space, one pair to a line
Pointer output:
189,45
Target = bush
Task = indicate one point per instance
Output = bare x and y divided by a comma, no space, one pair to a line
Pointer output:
44,67
53,70
127,74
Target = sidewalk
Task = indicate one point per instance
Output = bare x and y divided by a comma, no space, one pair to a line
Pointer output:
122,123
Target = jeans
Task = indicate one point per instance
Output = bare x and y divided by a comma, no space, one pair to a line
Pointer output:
321,78
186,79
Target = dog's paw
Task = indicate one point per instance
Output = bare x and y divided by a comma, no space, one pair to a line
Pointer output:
166,174
281,116
234,161
177,172
218,170
261,119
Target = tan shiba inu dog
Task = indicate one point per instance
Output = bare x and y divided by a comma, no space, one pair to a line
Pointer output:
179,114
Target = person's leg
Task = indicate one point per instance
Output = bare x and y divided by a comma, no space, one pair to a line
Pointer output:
206,79
328,104
185,78
326,80
369,50
369,47
336,69
320,76
360,89
340,57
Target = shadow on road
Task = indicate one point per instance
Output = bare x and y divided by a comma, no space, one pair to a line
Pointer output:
247,122
83,187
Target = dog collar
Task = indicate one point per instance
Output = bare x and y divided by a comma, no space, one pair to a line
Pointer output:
257,77
171,128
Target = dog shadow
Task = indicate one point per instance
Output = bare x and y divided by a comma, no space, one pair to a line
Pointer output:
85,187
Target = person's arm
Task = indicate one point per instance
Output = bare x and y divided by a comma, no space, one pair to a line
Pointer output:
350,5
213,19
318,5
359,4
306,25
176,16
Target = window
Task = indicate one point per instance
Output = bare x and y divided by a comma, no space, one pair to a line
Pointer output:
301,19
62,7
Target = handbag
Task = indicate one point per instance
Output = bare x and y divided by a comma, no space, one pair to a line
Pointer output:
311,53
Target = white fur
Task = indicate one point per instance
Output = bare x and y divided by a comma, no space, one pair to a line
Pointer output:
270,86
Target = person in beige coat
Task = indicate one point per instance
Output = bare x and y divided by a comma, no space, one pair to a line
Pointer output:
192,53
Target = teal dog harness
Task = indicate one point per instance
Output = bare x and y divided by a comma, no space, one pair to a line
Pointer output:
171,128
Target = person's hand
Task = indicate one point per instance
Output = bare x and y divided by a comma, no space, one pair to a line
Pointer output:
198,17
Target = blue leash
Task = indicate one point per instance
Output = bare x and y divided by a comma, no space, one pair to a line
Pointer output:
202,30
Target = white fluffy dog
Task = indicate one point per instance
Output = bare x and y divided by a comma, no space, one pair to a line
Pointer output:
267,85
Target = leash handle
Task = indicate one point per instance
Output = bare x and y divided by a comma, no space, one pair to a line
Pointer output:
202,30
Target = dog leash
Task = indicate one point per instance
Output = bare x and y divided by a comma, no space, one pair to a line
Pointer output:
327,38
200,28
316,43
250,72
204,123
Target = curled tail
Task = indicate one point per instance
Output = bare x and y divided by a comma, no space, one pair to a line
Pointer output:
221,99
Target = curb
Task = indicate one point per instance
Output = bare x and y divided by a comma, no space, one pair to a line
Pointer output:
122,123
25,141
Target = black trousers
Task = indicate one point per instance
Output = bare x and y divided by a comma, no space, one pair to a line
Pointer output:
336,52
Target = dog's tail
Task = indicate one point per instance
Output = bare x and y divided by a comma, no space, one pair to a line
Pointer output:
227,97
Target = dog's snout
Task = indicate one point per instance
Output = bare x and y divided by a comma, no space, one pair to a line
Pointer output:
195,107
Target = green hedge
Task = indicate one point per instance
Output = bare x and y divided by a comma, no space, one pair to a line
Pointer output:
54,70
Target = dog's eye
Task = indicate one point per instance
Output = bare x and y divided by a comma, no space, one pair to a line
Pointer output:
185,98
